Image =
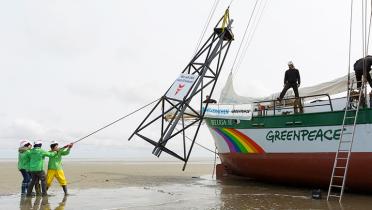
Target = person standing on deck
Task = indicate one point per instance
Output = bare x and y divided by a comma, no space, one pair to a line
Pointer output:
210,100
358,69
291,80
23,165
35,158
55,165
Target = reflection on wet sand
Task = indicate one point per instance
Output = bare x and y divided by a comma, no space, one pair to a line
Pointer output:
190,193
40,203
247,194
335,205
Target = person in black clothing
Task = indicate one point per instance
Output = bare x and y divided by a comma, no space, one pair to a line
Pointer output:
291,80
209,100
358,68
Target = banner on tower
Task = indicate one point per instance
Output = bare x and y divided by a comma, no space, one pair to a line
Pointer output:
181,86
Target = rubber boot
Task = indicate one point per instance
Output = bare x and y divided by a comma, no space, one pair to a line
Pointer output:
29,189
43,190
38,189
64,187
24,189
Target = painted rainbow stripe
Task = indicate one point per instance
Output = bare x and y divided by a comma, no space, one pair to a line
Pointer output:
238,142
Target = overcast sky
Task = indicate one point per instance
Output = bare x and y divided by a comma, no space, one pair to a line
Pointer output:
69,67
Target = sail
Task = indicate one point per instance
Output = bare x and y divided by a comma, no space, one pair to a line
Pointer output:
229,96
338,85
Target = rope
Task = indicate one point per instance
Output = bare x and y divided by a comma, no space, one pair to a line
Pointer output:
214,163
369,28
231,2
367,35
202,146
188,138
350,37
259,20
251,34
245,33
363,31
226,17
121,118
127,115
365,41
211,13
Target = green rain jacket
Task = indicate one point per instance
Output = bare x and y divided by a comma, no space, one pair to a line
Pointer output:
55,162
36,158
22,160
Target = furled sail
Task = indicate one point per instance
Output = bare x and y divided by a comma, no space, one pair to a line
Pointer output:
338,85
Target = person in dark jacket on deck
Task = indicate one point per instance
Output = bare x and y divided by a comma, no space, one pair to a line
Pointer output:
358,68
291,80
210,100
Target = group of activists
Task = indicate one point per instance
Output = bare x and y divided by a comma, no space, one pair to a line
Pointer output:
31,165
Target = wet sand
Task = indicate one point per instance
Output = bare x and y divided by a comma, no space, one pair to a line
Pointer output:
109,174
118,185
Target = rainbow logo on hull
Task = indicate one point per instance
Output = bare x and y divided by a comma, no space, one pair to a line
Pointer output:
238,142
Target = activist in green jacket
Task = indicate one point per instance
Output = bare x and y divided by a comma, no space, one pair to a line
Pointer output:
55,165
36,158
22,160
23,165
55,162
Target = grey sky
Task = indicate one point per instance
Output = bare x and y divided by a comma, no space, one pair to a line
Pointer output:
69,67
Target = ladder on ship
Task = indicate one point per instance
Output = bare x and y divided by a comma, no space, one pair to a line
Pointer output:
343,154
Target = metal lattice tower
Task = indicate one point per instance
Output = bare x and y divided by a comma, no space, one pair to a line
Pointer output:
178,114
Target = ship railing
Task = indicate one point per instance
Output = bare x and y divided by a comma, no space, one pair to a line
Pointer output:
301,104
263,108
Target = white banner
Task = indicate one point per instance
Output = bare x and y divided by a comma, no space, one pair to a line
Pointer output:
181,86
229,111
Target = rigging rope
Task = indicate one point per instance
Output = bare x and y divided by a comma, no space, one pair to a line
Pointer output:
365,39
127,115
188,138
350,37
226,18
369,27
366,21
210,16
250,36
231,2
245,33
214,162
363,30
121,118
367,33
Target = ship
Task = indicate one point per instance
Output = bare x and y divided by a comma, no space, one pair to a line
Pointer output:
321,139
279,142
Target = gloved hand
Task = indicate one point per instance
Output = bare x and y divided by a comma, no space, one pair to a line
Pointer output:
298,85
70,145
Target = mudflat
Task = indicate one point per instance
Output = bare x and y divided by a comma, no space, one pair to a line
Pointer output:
162,185
109,174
